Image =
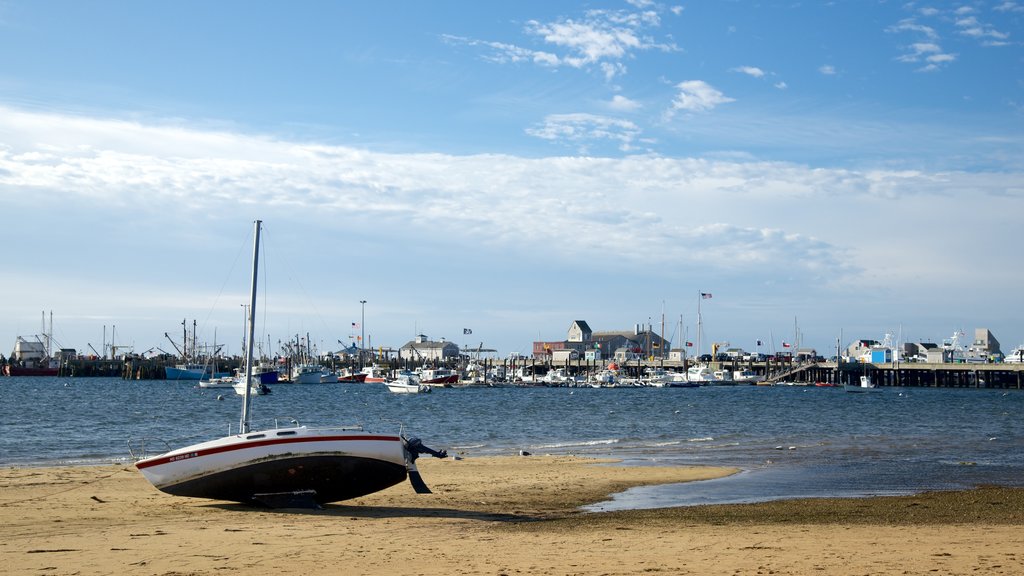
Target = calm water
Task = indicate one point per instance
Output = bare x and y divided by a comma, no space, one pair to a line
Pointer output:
790,441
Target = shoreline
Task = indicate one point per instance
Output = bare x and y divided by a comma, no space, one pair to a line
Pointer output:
496,515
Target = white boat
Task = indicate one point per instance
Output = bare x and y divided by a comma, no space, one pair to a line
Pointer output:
656,377
374,373
866,385
256,388
700,373
556,377
222,382
307,374
407,383
1015,356
747,377
284,467
438,376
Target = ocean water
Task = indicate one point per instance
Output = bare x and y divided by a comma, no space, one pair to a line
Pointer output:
790,441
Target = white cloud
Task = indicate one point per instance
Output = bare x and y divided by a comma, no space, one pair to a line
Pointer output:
602,39
623,104
827,69
1009,7
679,217
697,96
750,71
973,28
584,129
911,26
927,52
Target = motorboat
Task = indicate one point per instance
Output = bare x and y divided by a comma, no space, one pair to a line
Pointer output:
407,383
866,385
1015,356
374,373
747,377
438,376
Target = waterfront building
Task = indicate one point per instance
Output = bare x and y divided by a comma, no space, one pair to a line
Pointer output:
622,345
424,349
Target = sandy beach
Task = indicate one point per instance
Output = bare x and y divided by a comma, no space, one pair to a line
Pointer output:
497,516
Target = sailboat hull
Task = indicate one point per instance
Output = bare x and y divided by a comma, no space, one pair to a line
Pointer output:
329,465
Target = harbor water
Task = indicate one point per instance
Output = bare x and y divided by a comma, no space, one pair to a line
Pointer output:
789,441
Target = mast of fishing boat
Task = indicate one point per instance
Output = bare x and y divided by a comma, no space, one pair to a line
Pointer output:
244,426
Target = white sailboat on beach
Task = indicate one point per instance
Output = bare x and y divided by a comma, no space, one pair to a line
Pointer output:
285,467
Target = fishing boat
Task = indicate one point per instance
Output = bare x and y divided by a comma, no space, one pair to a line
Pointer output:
33,358
374,373
307,374
348,376
407,383
295,466
438,376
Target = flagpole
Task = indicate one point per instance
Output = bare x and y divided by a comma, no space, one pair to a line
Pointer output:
700,323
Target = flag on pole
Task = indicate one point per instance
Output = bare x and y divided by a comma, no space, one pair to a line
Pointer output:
689,344
759,343
355,324
467,331
785,344
705,295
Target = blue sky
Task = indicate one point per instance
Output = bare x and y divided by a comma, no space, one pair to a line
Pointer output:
849,168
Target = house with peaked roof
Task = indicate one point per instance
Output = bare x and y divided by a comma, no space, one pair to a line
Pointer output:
424,349
580,332
626,344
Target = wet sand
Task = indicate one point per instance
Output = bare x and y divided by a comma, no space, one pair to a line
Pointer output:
505,515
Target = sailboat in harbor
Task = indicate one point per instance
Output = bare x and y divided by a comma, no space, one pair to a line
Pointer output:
288,467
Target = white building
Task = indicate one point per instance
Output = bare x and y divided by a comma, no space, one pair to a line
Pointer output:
423,349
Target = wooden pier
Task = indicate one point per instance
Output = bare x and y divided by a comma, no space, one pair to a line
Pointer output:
906,374
909,374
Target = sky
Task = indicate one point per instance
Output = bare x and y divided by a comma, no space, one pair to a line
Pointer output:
490,172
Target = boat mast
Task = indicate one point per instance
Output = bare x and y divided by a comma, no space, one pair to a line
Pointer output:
244,426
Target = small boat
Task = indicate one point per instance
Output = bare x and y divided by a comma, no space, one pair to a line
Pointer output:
866,385
288,467
438,376
1015,356
374,373
349,377
222,382
702,374
256,388
407,383
747,377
